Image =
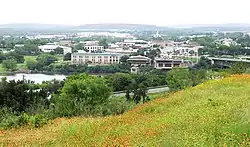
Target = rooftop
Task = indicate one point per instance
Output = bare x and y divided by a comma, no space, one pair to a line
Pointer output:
106,53
167,59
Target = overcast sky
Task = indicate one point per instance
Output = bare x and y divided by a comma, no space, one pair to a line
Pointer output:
158,12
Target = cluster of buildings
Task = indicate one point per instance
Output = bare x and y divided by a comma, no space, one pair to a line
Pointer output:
227,42
66,45
171,56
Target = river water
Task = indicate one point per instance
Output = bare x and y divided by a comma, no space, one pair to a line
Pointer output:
37,78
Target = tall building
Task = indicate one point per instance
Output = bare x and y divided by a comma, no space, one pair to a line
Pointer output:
94,48
95,58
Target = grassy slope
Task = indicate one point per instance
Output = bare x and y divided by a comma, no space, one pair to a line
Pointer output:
211,114
23,66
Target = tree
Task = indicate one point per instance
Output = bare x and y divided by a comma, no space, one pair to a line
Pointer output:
79,46
31,64
67,57
45,60
2,57
16,56
178,79
82,95
104,43
154,53
10,64
204,63
28,49
238,68
119,81
3,43
20,96
124,59
59,51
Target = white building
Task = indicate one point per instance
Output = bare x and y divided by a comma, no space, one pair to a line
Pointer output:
94,48
90,43
95,58
135,43
19,45
50,48
227,42
167,63
122,51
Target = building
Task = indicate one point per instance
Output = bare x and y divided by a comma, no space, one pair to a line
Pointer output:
138,61
227,42
95,58
135,43
167,63
122,51
161,43
90,43
94,48
67,43
19,45
51,48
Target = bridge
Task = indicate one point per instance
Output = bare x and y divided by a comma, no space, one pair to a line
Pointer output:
226,62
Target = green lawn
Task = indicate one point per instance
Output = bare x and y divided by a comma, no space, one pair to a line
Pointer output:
2,69
216,113
23,66
30,58
59,58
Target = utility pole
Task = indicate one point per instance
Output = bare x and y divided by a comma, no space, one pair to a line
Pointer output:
23,77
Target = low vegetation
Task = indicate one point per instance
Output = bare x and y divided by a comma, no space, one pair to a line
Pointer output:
215,113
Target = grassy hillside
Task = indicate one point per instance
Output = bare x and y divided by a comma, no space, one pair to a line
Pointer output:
212,114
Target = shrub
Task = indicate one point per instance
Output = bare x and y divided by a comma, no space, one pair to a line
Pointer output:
9,119
117,106
178,79
82,95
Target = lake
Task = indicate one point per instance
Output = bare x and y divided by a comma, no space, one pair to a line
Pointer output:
37,78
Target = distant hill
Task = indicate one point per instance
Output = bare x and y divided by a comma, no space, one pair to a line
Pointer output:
23,28
27,27
216,27
35,27
32,26
114,26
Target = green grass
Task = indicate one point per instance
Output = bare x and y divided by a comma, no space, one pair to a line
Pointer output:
2,69
30,58
216,113
59,58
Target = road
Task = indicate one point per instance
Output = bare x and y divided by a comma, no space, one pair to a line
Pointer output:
150,91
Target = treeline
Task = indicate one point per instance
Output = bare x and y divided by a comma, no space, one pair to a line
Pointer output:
68,69
23,102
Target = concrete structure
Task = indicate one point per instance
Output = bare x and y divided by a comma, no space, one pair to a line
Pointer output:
95,58
94,48
138,61
50,48
226,62
167,63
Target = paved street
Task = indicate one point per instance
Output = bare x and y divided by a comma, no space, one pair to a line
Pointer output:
150,91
